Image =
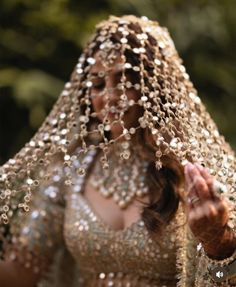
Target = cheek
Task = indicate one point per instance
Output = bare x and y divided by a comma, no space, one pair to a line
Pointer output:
97,103
132,115
133,95
135,113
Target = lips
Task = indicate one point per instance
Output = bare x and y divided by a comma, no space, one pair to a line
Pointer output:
113,111
113,115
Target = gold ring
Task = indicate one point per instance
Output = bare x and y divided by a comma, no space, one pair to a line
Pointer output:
194,199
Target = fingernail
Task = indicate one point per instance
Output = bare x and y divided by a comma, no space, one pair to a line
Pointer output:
190,166
186,167
198,165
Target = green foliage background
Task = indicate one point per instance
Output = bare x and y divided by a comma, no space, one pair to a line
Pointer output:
40,42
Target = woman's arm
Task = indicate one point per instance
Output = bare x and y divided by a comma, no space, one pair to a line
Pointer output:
208,217
208,214
35,239
222,248
13,274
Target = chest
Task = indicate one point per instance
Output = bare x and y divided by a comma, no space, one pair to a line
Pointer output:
110,212
120,179
103,238
97,247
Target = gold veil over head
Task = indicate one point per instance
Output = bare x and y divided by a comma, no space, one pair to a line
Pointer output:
129,68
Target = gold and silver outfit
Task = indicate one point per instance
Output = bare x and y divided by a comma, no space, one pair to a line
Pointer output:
46,220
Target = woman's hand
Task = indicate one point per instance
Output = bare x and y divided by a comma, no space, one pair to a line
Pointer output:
208,213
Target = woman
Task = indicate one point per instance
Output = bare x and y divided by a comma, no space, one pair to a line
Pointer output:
110,201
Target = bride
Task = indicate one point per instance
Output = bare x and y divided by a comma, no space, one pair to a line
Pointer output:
121,184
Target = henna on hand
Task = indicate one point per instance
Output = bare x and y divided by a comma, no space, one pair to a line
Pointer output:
208,213
223,247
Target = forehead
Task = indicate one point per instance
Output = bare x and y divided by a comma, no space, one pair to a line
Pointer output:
102,64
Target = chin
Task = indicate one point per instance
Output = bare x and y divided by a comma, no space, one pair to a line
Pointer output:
116,130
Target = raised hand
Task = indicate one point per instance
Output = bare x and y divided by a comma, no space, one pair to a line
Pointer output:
207,212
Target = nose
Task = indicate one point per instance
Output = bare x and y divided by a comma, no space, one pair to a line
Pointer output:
112,90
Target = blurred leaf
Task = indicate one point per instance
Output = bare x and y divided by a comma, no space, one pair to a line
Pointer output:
31,87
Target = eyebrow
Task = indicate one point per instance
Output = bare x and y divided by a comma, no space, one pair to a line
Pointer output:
94,73
117,72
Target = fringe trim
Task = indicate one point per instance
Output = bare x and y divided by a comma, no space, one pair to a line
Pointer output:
181,256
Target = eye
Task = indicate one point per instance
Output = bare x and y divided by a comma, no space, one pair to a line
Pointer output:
98,84
132,76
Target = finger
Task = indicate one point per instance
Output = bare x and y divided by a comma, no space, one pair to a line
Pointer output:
204,215
216,213
203,170
200,185
222,206
223,212
191,193
189,178
210,211
189,185
190,205
202,188
193,196
209,181
197,218
205,174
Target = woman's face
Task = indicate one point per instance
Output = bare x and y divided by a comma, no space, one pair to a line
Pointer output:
111,101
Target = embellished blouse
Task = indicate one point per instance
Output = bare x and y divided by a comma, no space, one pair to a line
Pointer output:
64,232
